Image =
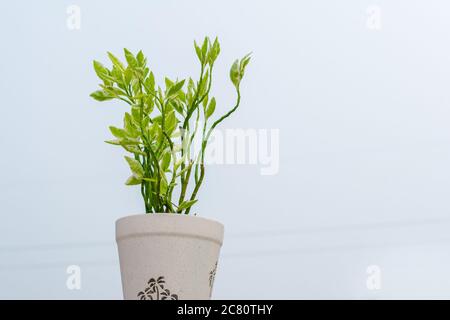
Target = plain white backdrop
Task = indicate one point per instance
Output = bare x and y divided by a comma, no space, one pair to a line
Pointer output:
362,103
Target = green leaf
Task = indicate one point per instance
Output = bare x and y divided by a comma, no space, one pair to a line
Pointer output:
113,91
100,70
182,96
141,58
136,85
163,184
128,75
214,51
165,162
116,62
101,95
169,83
237,70
117,132
149,83
136,113
132,180
160,94
177,106
190,91
132,149
170,122
132,61
211,108
186,204
135,167
216,47
168,108
234,73
129,126
205,47
205,102
117,75
115,142
175,88
126,143
244,62
203,86
198,51
127,121
157,119
130,141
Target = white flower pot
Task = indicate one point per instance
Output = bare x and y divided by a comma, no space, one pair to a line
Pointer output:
168,255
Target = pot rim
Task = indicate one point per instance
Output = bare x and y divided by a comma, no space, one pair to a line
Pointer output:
169,224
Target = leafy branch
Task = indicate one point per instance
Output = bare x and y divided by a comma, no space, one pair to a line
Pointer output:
162,123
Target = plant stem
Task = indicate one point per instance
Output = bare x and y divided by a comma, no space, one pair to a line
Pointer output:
204,144
185,184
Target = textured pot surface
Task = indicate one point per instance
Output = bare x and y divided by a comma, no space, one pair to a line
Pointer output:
168,256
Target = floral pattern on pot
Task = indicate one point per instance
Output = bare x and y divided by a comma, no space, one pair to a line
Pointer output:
212,276
156,291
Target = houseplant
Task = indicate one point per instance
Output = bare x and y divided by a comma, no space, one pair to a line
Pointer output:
166,253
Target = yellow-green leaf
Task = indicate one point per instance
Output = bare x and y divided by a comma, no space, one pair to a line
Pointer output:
135,167
211,108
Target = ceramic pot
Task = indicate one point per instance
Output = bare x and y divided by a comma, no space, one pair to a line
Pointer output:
167,256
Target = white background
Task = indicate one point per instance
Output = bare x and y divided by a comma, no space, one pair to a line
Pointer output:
364,120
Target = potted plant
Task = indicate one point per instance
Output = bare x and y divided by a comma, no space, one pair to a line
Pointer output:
166,253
